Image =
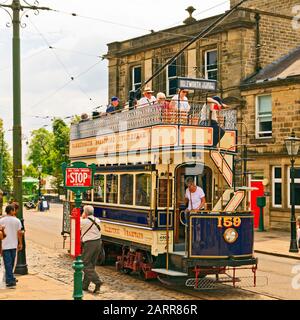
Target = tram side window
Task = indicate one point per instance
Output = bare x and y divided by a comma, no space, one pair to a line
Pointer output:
99,188
126,196
87,195
112,188
162,194
143,190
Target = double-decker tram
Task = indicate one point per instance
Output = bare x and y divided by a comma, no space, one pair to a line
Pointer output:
143,158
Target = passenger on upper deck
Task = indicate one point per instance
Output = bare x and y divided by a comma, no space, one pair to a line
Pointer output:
209,117
180,101
194,196
148,99
114,106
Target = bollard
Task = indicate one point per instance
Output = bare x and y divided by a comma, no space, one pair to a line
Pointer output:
78,267
261,203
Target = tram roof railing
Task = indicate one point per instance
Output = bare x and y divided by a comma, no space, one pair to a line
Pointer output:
144,117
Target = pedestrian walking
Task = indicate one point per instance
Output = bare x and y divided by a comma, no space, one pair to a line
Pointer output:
91,248
11,243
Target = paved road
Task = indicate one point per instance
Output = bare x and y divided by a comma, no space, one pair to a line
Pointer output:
275,275
44,228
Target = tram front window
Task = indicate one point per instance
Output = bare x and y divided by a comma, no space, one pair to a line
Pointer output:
99,188
143,190
112,188
126,189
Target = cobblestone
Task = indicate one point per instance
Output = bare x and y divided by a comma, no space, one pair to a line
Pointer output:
57,264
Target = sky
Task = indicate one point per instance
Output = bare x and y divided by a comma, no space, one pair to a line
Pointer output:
78,44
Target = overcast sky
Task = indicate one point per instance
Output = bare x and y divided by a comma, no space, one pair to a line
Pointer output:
79,41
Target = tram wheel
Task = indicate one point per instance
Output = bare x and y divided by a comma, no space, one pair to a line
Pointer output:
126,271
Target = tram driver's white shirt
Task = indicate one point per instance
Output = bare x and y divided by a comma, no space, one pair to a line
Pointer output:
196,198
93,233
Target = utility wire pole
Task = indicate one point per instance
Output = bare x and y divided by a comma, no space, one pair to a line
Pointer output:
16,8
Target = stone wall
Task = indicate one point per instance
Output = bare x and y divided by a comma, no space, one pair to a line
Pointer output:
276,6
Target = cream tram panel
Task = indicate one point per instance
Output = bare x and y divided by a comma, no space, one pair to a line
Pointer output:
155,239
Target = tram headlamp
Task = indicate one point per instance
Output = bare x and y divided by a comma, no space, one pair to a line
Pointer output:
230,235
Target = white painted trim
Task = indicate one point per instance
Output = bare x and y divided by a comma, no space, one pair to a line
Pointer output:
205,62
276,180
257,132
288,186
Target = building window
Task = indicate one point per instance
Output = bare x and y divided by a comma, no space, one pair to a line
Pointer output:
277,187
126,194
171,78
136,78
211,65
297,187
99,188
143,190
264,116
112,188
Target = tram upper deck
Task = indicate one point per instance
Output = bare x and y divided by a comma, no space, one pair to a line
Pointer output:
148,130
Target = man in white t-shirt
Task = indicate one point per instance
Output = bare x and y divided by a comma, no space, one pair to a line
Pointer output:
11,243
91,248
195,196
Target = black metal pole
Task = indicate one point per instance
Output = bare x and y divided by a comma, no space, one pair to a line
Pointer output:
293,244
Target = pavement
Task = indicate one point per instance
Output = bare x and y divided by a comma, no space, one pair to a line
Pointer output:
35,286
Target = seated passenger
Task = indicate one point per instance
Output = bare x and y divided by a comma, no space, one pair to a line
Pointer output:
180,101
194,196
114,105
141,197
164,105
148,99
84,117
209,117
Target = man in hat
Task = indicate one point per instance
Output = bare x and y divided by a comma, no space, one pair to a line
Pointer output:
209,117
148,99
114,105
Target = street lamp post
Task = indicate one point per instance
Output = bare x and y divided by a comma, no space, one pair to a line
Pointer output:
40,168
292,144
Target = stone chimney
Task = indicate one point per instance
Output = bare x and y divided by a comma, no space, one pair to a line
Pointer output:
190,19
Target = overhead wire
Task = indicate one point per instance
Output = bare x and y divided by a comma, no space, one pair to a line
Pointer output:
60,61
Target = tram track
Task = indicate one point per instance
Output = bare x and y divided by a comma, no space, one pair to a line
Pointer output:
212,294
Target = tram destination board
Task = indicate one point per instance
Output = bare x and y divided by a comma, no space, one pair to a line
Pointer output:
196,84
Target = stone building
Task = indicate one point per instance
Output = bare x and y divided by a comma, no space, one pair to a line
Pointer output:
238,49
272,112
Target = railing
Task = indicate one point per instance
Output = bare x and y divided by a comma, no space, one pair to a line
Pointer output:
144,117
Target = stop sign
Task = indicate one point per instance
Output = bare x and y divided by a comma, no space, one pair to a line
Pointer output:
78,177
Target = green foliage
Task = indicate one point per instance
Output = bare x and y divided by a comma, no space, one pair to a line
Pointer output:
50,150
30,171
5,162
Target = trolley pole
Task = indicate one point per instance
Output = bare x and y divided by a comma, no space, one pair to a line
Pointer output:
16,8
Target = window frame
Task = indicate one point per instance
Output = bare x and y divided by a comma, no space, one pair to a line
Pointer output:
168,94
133,83
206,71
274,181
257,118
297,180
104,190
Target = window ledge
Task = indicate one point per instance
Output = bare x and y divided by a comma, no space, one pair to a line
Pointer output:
262,140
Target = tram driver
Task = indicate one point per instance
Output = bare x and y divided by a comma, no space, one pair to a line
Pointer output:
194,196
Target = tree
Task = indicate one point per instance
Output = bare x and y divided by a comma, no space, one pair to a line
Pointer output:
6,165
50,150
40,150
61,133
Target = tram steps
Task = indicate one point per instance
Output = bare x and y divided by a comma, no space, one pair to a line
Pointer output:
177,261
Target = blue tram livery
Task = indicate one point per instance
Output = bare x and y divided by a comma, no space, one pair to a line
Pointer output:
143,158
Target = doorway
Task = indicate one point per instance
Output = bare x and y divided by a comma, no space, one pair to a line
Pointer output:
202,176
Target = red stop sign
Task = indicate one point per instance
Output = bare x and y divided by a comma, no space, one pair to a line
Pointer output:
78,177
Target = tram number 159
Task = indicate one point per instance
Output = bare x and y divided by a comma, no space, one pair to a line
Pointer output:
228,222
